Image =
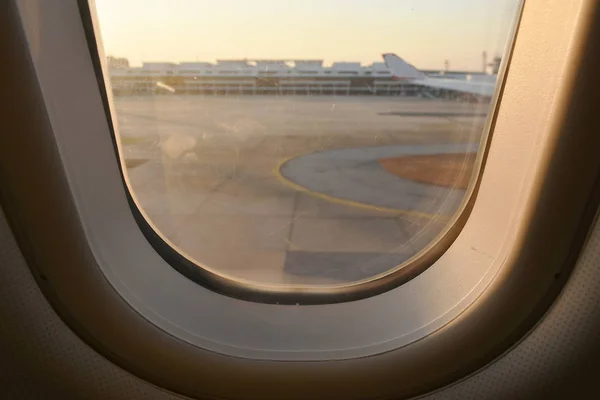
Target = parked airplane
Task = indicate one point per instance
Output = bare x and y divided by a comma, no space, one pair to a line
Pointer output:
405,71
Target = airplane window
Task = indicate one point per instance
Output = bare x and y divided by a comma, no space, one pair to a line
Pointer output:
306,183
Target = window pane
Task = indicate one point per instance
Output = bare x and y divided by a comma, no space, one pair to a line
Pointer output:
271,142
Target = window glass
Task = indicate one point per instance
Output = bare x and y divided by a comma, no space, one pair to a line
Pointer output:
313,181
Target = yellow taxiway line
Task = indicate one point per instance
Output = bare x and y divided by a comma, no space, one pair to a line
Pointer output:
351,203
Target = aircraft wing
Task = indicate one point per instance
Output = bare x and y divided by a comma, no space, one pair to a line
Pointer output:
478,88
405,71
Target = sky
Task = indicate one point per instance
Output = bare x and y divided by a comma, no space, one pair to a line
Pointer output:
424,32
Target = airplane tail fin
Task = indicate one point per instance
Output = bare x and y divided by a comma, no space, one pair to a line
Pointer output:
401,69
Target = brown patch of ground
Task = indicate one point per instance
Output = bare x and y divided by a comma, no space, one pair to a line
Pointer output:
132,140
448,170
134,162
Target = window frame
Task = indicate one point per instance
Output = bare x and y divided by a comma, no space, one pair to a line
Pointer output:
522,270
296,294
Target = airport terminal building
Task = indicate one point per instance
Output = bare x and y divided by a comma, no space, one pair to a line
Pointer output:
263,77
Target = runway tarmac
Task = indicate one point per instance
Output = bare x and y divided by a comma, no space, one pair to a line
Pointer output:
208,173
354,176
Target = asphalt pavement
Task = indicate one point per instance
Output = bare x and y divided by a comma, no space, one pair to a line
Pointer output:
289,190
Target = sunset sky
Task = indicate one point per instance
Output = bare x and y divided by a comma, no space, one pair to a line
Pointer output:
424,32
